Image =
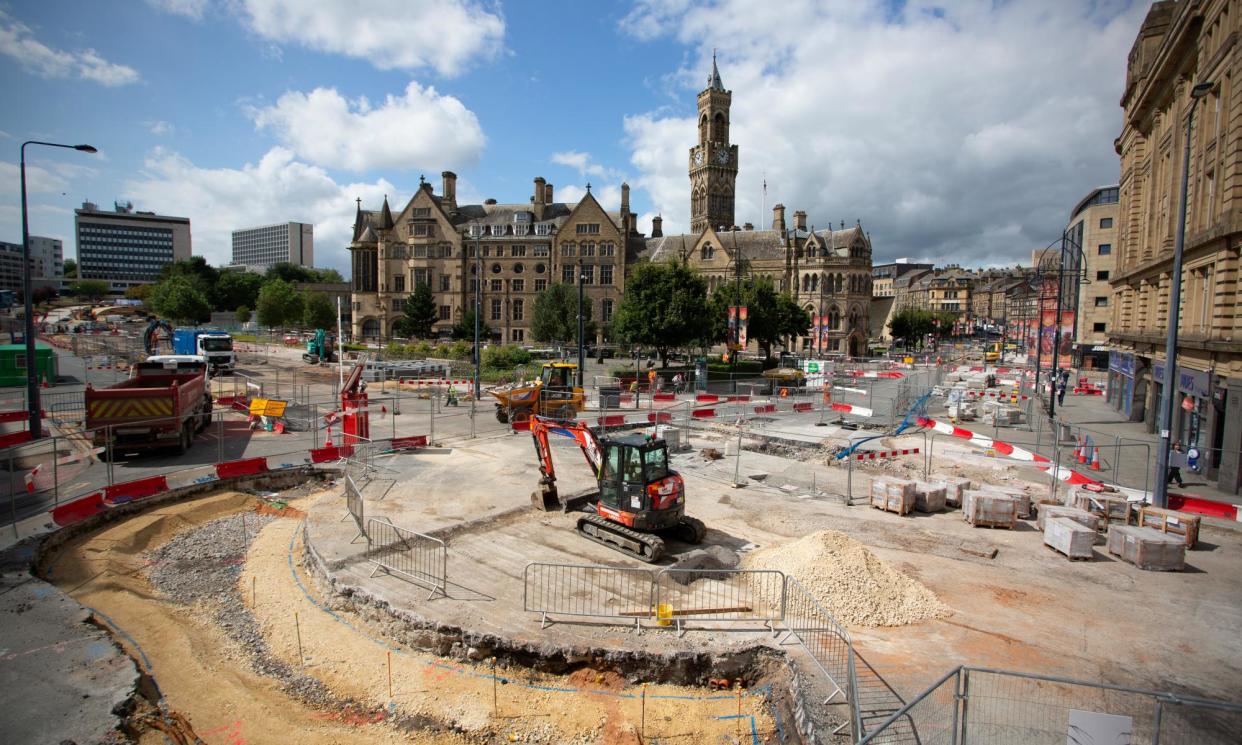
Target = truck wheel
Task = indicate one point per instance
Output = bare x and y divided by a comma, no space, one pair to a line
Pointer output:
502,416
187,439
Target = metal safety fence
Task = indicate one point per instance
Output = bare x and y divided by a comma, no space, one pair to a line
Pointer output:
355,507
971,704
419,558
708,595
825,641
585,590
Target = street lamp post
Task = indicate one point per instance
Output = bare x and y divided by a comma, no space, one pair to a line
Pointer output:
478,306
1161,495
32,370
581,325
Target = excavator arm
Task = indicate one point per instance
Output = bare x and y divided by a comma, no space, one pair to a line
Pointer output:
547,497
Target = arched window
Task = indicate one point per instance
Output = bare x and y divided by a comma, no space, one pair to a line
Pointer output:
703,129
834,318
370,329
806,283
719,133
840,283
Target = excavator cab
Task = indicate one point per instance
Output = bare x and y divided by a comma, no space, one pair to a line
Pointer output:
636,484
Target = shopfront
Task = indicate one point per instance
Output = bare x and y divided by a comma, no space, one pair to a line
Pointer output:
1121,393
1193,410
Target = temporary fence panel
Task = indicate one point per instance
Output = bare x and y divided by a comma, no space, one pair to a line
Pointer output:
827,642
356,507
415,556
588,590
719,595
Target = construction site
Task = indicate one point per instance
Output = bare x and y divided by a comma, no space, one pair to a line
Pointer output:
891,551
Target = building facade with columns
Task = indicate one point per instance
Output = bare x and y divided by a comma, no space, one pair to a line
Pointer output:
1179,46
516,250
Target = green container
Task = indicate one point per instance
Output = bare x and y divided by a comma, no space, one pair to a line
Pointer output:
13,364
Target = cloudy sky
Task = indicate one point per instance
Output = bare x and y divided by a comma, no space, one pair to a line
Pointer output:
956,131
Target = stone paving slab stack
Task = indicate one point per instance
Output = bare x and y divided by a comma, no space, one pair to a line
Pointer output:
1171,521
929,497
1147,548
989,509
1069,537
953,488
1018,495
1082,517
893,495
1112,508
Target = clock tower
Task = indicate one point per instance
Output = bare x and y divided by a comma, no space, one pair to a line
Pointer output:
713,161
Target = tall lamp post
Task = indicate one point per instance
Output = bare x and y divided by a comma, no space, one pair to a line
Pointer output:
32,371
478,306
581,325
1161,495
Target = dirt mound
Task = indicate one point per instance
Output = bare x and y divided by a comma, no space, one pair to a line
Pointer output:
850,582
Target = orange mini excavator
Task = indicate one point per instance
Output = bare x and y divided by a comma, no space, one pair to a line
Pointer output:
640,498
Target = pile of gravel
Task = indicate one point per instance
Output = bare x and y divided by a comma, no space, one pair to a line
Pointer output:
849,581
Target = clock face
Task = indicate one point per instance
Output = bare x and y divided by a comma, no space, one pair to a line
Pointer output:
722,156
698,157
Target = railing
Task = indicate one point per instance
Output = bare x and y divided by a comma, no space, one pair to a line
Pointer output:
720,595
999,706
415,556
355,507
826,642
588,591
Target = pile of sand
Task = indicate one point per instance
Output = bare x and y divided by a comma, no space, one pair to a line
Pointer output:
849,581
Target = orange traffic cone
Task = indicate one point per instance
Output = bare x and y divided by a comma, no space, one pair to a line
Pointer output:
44,383
1095,459
1082,452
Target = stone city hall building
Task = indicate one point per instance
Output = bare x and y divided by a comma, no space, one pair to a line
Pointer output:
518,248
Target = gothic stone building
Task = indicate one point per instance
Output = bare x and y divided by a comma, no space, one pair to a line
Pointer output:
827,271
519,249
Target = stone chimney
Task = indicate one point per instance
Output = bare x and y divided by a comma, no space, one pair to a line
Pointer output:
800,220
625,198
541,196
657,227
778,217
449,190
547,194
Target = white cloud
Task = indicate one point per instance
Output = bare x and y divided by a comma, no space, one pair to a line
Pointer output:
278,187
443,35
159,128
18,41
420,129
583,164
609,196
934,126
192,9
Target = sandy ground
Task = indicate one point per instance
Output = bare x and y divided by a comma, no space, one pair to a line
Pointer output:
205,676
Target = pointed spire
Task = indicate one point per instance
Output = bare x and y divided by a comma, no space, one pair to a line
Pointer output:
386,221
358,219
713,82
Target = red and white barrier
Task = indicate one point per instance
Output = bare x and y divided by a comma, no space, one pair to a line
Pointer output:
893,375
881,454
1060,473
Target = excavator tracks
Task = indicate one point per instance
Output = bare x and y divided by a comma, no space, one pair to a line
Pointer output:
646,547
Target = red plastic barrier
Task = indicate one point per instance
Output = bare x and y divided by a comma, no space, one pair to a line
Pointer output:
247,467
325,454
657,417
803,407
703,413
78,510
14,438
409,443
664,397
13,416
131,490
706,398
1201,506
765,409
612,421
743,398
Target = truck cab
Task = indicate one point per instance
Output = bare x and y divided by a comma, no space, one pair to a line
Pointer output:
213,345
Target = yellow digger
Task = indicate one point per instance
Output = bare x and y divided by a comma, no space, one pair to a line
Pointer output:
555,394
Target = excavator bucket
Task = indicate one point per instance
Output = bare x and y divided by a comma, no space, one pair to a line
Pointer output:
545,498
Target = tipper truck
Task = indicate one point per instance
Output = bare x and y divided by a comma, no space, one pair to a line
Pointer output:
216,346
163,404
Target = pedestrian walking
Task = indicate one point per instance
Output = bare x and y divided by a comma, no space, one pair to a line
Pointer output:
1061,394
1177,459
679,381
651,379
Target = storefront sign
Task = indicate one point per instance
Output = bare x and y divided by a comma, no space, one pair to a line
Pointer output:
1122,362
1189,381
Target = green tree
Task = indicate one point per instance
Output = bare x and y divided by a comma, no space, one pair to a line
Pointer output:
420,314
664,306
92,289
243,314
912,326
179,299
71,269
236,288
289,272
771,315
139,292
464,329
327,275
555,315
196,269
280,304
320,312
